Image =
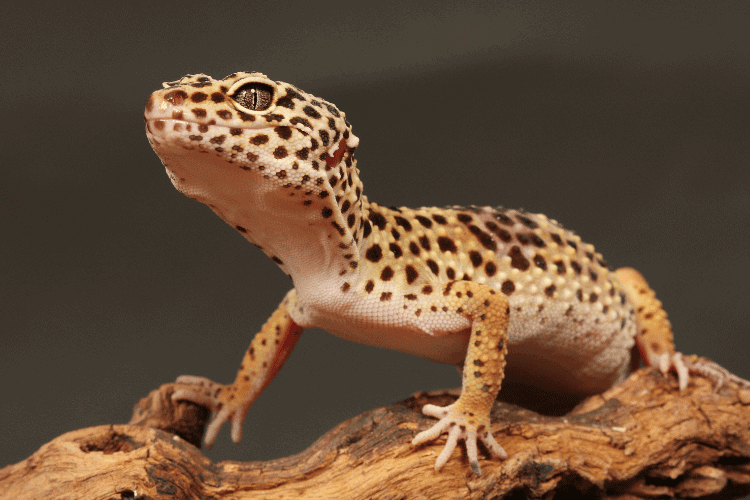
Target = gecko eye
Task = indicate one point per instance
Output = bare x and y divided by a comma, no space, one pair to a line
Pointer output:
254,96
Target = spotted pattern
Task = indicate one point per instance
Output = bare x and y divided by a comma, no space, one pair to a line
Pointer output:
278,165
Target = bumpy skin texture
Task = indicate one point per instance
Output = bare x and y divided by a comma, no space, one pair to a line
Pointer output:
506,293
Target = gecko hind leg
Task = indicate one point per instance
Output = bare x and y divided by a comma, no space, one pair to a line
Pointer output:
655,340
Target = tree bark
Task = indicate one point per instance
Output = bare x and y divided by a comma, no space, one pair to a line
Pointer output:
640,439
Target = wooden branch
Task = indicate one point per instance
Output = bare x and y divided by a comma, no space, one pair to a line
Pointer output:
641,439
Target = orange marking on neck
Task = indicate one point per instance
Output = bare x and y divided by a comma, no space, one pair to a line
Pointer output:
334,160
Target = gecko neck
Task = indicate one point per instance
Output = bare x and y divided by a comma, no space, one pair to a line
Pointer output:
316,247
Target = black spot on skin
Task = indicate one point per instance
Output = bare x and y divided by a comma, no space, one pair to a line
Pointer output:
374,253
199,112
397,252
326,212
540,262
426,290
283,131
550,290
345,206
560,266
259,139
345,287
411,274
377,219
386,274
576,267
593,298
286,102
276,260
484,238
439,219
433,266
537,240
338,228
302,154
297,119
465,218
522,238
476,258
490,269
527,222
410,296
311,112
425,242
573,244
322,194
556,238
579,295
385,296
501,233
451,273
424,221
593,275
367,229
517,259
198,97
332,109
324,137
413,248
224,114
589,255
351,220
446,244
508,287
369,286
395,234
217,97
240,229
235,131
403,223
504,219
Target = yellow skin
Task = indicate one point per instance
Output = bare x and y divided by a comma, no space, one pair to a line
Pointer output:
503,292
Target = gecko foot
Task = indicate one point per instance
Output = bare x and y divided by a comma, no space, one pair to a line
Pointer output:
696,365
217,398
459,425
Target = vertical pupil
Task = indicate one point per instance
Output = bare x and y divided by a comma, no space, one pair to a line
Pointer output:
254,96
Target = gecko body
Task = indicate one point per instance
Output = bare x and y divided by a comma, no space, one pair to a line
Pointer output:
503,292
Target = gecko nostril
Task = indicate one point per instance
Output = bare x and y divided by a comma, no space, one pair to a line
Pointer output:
254,96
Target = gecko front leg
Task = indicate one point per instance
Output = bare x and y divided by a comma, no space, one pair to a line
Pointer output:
267,353
469,417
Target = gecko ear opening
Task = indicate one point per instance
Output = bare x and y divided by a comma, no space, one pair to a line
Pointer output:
253,96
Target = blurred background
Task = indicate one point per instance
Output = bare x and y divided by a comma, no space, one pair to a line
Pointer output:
627,122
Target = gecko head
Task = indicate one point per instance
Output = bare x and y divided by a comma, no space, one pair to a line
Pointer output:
249,135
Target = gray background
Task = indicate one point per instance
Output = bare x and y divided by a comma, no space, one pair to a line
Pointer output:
628,123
